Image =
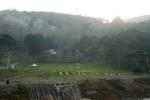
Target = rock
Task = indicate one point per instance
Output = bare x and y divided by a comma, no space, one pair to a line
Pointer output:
48,98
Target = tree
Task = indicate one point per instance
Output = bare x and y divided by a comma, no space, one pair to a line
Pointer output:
35,43
7,49
129,48
7,42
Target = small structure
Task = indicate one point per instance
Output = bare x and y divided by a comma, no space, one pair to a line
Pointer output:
52,51
12,67
34,65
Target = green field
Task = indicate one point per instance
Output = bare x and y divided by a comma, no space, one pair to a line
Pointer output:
65,71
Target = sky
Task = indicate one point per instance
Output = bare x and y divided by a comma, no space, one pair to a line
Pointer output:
94,8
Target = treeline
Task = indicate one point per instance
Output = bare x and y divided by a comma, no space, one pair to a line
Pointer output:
130,48
36,48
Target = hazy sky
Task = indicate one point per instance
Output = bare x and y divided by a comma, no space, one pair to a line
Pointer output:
95,8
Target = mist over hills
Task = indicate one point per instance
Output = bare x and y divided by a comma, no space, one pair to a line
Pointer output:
19,24
22,23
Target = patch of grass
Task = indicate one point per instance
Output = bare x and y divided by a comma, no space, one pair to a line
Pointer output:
52,71
7,73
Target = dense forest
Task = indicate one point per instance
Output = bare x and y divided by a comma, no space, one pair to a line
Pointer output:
44,37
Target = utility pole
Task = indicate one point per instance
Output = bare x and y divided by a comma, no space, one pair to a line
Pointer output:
76,10
137,63
147,61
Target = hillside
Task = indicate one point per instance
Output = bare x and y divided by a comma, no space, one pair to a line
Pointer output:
74,38
19,24
138,19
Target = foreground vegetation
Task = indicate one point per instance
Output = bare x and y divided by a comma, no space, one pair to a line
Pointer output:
18,92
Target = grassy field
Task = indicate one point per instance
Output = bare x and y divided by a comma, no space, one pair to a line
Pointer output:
63,71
